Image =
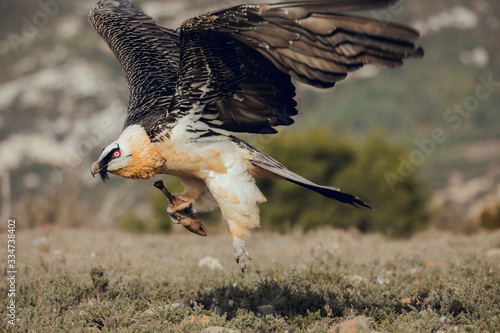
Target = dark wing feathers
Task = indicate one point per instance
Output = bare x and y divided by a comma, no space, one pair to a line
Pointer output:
313,45
338,6
232,68
232,81
261,99
148,55
247,84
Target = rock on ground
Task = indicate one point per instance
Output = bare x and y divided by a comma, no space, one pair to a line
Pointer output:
357,324
210,262
265,309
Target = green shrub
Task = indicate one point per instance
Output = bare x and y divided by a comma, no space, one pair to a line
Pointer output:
132,222
161,220
359,169
490,218
99,279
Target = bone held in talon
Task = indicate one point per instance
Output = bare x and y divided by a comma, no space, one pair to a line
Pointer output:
181,212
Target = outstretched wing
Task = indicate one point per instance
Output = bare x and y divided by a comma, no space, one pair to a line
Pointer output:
148,55
237,64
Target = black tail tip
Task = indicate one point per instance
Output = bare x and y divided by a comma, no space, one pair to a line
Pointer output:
357,203
349,199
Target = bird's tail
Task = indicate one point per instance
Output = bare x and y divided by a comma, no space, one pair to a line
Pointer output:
329,191
269,167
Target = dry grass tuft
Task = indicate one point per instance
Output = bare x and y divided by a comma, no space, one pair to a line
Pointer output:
81,280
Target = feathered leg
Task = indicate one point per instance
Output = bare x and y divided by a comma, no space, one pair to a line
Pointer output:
238,198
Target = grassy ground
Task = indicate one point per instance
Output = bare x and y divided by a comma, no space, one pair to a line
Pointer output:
90,280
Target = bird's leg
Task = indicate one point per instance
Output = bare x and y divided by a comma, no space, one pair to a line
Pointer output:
241,251
180,211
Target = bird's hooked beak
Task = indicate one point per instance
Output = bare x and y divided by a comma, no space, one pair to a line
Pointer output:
101,168
95,169
101,165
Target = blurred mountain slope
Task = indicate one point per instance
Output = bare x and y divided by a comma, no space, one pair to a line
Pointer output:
63,97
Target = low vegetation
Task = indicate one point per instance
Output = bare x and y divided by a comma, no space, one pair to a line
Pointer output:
490,218
91,280
361,169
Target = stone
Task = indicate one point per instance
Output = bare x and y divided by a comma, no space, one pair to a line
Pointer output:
493,253
210,262
357,324
265,309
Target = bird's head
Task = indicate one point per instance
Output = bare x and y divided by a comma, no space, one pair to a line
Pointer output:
133,155
114,158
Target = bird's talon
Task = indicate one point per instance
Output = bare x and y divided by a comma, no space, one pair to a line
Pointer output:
241,251
181,211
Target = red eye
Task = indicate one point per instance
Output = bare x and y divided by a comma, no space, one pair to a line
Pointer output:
117,154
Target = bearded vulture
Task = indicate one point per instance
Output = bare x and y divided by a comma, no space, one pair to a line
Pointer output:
231,71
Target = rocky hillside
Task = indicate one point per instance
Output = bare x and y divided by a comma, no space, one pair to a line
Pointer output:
63,97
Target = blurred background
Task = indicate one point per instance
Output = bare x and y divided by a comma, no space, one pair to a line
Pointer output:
420,144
